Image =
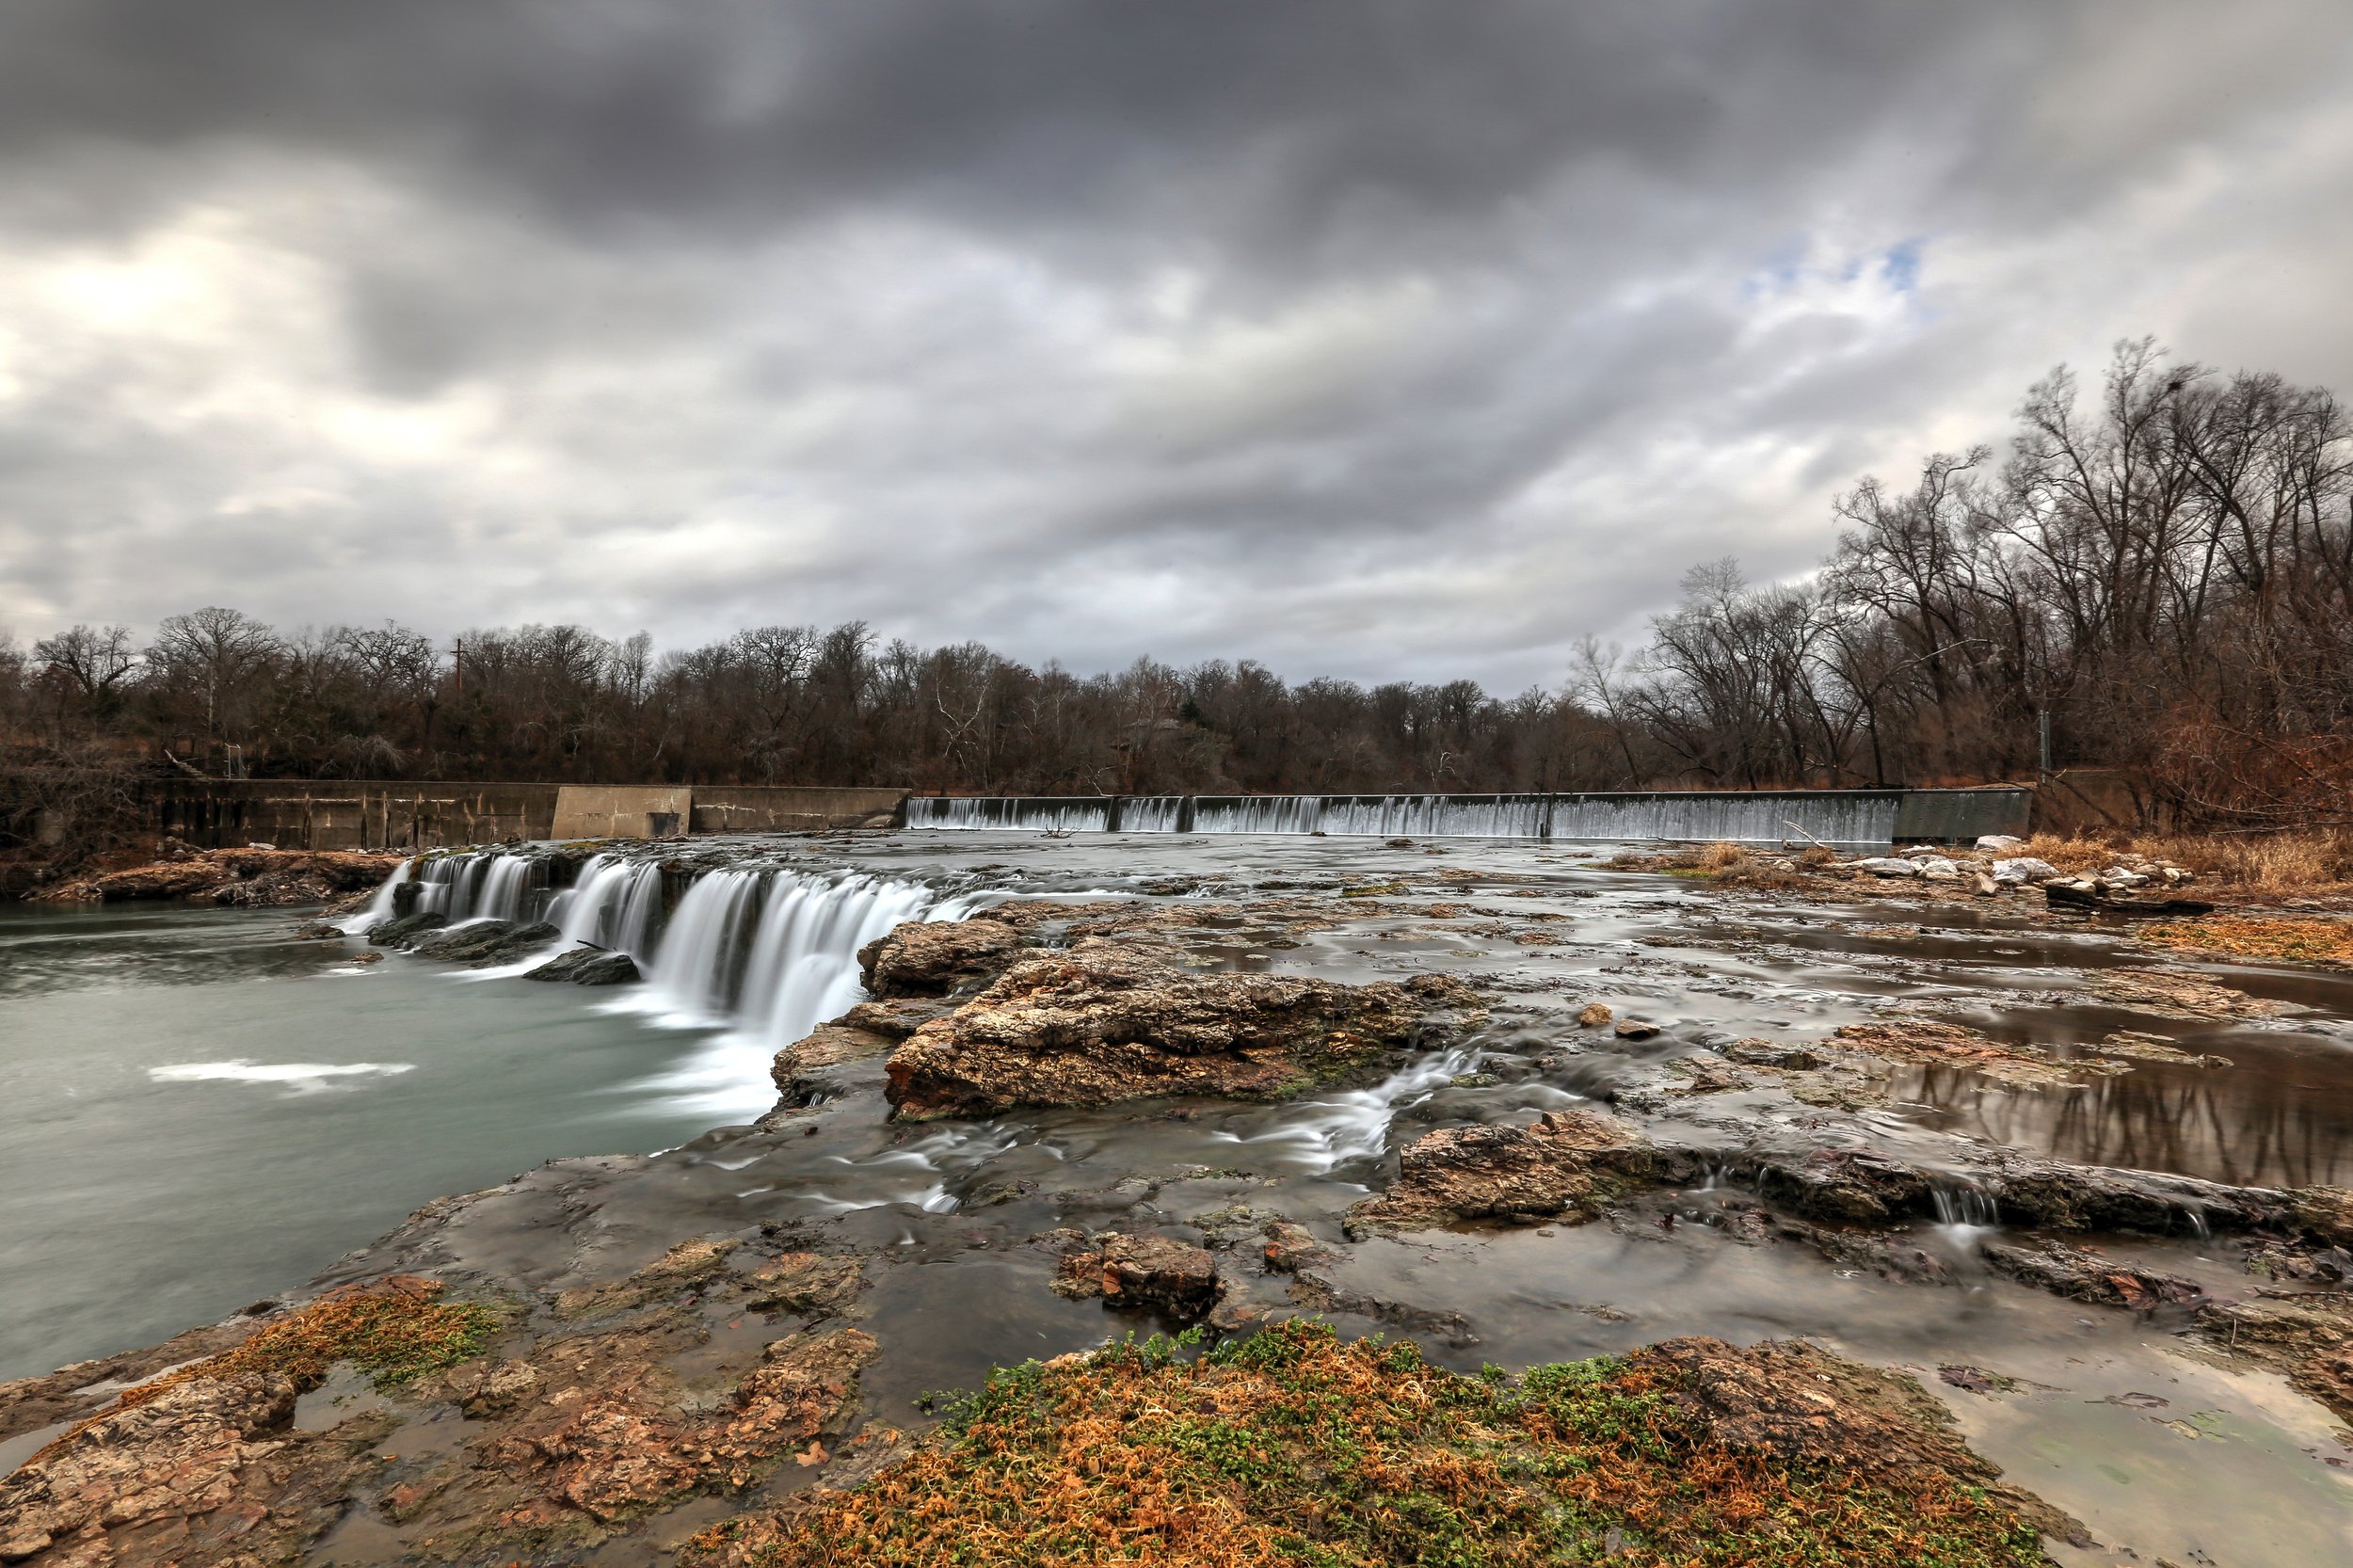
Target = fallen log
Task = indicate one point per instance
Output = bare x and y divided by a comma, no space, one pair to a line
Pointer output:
2060,895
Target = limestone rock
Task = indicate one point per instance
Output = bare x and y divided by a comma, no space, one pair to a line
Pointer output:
1563,1167
2024,869
2083,1276
1883,865
1292,1247
1104,1021
1144,1274
811,1067
933,957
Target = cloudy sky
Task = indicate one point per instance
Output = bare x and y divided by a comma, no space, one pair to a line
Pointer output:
1362,337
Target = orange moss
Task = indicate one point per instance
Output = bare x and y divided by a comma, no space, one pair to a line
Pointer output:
2307,941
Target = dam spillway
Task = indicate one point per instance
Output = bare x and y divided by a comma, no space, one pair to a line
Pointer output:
1843,817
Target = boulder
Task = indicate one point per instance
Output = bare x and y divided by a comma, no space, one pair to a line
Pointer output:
483,943
813,1067
1564,1167
400,931
1143,1273
933,957
1104,1021
1883,865
589,966
2024,869
1999,844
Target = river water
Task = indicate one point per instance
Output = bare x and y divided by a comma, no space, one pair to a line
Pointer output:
205,1111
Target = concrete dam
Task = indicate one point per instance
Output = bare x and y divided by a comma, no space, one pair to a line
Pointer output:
1844,818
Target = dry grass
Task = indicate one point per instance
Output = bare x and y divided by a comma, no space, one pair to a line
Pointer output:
2317,861
2327,942
1294,1447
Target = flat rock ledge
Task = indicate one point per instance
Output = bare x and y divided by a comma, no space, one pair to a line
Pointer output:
930,958
1105,1022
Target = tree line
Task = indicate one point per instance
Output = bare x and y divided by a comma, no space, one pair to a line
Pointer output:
2157,577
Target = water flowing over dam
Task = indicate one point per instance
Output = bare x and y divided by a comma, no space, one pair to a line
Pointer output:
769,952
1847,818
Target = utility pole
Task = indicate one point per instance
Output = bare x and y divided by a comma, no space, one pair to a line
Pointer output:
458,665
2043,724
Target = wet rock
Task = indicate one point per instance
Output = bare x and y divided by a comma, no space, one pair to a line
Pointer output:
688,1266
203,1472
1105,1022
1847,1186
483,943
1321,1295
933,957
2081,1274
2154,1047
2292,1261
1772,1053
1566,1166
2179,994
625,1442
589,966
72,1392
486,1388
894,1018
399,933
1291,1247
1790,1400
1595,1015
2052,1196
805,1282
1936,1043
2328,1376
2325,1213
1635,1029
1141,1274
811,1067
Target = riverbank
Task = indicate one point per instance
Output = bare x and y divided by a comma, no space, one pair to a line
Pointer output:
1510,1106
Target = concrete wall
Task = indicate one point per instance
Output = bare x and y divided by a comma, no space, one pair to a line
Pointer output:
1963,816
301,813
621,812
777,809
296,814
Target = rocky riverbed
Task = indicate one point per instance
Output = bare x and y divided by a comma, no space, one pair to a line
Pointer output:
1795,1230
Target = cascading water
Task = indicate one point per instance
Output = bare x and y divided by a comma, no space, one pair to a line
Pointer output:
1322,1133
1853,818
379,907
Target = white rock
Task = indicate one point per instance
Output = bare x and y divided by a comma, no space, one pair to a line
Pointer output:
2118,876
1940,869
2000,843
1882,865
2024,868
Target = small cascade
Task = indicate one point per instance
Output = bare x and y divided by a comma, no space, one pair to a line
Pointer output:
1151,813
804,960
483,886
1324,1133
379,907
1959,1204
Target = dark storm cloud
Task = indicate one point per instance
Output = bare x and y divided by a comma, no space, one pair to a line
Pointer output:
1356,335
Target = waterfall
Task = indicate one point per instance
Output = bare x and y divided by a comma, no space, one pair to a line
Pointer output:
506,880
612,906
379,907
1850,818
696,968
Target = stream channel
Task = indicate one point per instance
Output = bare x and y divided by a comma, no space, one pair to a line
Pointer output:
203,1109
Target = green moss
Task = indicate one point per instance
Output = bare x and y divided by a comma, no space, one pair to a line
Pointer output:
1293,1447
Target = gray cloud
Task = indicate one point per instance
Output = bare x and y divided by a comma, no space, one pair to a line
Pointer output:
1358,336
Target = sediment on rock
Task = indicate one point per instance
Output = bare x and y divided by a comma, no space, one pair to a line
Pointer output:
1141,1274
1565,1166
239,876
1105,1022
816,1064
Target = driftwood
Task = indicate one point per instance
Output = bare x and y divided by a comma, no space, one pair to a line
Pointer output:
2077,898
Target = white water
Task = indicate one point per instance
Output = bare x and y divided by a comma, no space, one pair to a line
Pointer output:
379,907
1831,817
1354,1124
